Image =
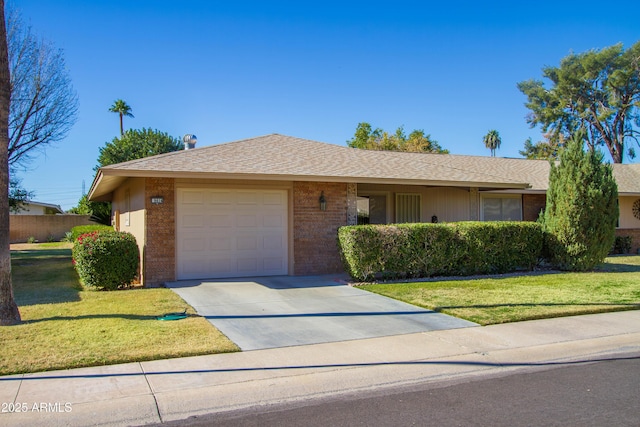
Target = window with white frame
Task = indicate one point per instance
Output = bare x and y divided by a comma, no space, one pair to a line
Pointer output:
501,208
408,208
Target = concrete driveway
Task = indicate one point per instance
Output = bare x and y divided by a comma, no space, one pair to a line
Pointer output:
282,311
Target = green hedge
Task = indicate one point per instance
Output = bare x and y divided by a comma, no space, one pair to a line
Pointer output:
106,260
621,245
451,249
85,229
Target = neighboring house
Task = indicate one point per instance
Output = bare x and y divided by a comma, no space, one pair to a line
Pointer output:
272,205
37,208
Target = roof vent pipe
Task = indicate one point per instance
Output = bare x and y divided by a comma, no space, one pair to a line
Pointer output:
189,141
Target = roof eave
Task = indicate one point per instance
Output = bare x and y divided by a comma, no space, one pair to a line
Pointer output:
123,174
103,186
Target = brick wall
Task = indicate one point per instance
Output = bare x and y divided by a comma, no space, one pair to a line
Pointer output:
43,227
159,252
532,204
314,231
635,237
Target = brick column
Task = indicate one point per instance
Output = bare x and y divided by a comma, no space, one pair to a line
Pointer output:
532,204
315,232
160,249
635,237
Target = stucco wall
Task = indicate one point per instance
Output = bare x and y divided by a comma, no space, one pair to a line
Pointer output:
627,220
128,212
129,205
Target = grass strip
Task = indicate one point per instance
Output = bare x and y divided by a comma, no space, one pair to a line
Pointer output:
65,326
614,286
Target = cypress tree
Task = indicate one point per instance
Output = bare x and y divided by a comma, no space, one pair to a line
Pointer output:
582,208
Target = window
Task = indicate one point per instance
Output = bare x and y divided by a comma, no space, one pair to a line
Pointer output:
496,208
408,208
372,209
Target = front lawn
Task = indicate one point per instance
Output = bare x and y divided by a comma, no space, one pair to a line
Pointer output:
614,286
65,326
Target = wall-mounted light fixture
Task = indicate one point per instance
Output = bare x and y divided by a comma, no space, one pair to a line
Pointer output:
157,200
323,202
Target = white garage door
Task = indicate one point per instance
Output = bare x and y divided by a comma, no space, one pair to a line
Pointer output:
231,233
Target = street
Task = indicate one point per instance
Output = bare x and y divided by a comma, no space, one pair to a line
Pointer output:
602,393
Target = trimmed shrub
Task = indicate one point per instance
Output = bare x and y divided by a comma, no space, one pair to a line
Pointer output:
499,247
424,250
622,245
582,210
85,229
106,260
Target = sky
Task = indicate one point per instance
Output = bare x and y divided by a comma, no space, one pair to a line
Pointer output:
230,70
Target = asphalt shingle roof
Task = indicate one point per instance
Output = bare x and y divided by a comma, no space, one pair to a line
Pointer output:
284,157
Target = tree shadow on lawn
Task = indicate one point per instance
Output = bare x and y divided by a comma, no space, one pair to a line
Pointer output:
44,277
26,254
611,267
25,297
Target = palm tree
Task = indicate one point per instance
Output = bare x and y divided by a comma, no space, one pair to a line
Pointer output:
121,107
492,141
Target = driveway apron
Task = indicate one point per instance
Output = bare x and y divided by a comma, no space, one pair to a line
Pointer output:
282,311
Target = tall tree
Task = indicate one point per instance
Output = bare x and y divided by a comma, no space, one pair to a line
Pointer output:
582,210
368,138
598,90
123,109
548,149
541,150
9,314
44,105
492,141
136,144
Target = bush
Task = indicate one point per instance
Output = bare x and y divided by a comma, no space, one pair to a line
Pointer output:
582,210
500,247
85,229
31,239
622,245
106,260
424,250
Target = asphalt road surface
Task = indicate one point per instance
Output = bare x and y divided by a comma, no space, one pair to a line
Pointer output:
601,393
